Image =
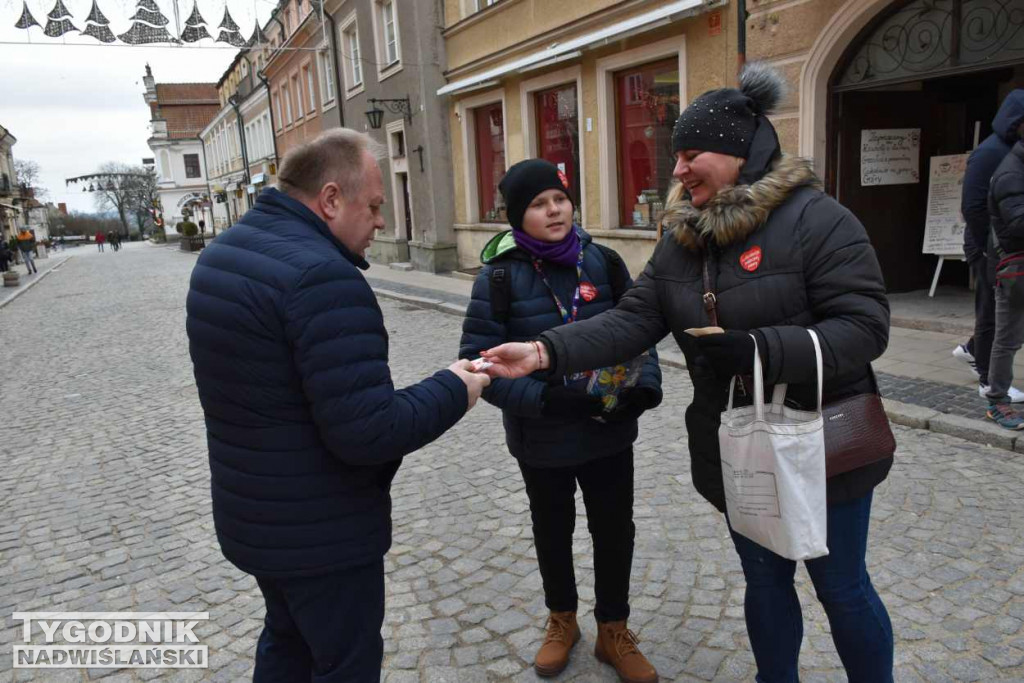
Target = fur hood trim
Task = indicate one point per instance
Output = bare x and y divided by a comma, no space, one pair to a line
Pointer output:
735,213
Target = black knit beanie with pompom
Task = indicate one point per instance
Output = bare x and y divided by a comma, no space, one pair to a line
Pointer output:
726,119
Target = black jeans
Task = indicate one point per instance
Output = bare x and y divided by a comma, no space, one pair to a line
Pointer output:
324,629
980,344
607,485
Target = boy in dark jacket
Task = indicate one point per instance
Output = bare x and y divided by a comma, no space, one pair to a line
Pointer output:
547,272
1006,205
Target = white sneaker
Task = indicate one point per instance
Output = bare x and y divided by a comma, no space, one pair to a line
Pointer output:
962,354
1015,394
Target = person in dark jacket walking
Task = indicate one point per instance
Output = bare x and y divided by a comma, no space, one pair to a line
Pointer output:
5,256
543,274
1006,205
304,427
981,165
782,257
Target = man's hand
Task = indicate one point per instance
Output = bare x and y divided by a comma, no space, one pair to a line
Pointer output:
516,359
475,382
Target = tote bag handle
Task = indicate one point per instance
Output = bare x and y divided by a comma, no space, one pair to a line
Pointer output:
779,394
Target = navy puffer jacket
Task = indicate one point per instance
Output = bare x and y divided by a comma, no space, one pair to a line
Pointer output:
304,426
536,440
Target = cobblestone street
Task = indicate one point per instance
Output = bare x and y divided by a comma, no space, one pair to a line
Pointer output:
106,507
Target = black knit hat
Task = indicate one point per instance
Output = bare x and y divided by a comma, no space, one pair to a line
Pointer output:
524,181
726,120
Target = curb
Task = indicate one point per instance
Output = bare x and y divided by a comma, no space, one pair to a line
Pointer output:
35,282
906,414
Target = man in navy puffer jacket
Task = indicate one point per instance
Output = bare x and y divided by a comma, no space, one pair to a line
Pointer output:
304,426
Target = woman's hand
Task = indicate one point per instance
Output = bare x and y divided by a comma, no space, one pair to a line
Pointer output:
516,359
729,353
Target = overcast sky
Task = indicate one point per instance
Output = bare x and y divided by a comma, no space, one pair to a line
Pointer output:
74,107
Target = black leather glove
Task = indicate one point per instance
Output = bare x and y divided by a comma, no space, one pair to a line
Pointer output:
632,403
729,354
561,401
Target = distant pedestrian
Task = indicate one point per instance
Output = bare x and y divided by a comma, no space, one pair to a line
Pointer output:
978,245
27,246
1006,205
100,239
5,256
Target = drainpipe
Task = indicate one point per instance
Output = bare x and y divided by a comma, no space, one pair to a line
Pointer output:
270,108
233,101
334,66
209,190
741,33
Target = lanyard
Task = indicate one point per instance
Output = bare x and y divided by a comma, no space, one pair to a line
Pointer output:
568,316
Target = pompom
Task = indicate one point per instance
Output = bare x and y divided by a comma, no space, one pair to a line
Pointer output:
763,84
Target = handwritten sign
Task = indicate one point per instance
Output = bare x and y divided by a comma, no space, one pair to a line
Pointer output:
890,156
944,224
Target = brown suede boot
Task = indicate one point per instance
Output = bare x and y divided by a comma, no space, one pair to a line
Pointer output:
563,634
617,646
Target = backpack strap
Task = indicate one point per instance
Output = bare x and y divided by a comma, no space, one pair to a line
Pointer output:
501,291
618,273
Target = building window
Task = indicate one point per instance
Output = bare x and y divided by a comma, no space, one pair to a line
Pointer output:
353,55
647,106
490,161
326,76
287,104
297,89
558,128
482,4
192,166
388,45
280,119
308,72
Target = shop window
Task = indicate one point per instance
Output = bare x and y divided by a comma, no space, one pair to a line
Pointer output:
490,161
647,106
558,135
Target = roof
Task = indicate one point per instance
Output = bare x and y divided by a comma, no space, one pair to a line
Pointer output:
187,121
186,93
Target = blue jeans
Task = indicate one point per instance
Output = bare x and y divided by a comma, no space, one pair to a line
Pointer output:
322,629
860,624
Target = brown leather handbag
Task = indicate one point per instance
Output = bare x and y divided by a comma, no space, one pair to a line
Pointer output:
857,431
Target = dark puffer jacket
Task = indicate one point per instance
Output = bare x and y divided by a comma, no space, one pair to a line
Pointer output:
304,427
536,440
1006,202
817,270
981,165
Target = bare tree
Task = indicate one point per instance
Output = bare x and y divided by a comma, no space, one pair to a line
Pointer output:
125,189
26,174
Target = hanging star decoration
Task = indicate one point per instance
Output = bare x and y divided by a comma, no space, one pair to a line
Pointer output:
230,32
195,27
27,20
59,21
147,25
257,37
97,25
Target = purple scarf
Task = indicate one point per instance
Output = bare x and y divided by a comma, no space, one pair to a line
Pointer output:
563,253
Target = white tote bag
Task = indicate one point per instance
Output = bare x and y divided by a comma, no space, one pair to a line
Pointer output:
773,469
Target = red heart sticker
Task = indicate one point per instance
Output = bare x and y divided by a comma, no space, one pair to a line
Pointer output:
563,178
588,291
751,259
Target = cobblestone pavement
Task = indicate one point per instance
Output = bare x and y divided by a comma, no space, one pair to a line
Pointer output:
940,396
106,507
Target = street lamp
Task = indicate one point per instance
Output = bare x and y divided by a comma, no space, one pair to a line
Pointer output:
395,106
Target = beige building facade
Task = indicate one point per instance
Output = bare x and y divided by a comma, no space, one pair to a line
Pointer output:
595,88
596,85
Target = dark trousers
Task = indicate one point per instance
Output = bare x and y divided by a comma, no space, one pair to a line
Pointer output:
860,624
980,344
322,629
607,485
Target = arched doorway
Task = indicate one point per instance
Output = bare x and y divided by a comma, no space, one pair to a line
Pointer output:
925,77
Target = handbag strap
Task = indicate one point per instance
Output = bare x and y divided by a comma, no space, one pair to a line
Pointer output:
819,365
710,300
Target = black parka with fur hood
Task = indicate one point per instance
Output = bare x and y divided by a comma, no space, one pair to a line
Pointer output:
816,269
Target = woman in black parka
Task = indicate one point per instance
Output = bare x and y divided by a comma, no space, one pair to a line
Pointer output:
783,257
545,273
